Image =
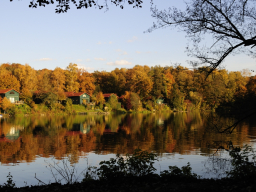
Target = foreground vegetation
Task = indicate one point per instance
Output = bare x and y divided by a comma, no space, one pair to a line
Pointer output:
136,173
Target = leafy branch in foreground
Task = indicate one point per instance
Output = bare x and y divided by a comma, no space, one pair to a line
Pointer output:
64,5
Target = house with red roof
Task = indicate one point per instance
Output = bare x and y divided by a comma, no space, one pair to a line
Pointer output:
11,94
78,98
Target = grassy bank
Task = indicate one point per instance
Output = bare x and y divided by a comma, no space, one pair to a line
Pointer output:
41,109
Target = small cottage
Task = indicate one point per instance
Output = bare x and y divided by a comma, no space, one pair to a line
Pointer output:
160,100
78,98
11,94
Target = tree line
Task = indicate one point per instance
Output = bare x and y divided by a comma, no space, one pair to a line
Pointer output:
180,87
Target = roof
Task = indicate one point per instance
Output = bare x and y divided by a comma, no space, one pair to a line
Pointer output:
6,139
72,94
6,90
109,94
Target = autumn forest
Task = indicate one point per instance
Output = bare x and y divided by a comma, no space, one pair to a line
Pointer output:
180,87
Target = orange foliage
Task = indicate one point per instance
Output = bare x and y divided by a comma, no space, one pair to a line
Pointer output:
169,83
86,82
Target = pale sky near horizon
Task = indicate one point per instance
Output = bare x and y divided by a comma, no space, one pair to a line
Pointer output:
94,39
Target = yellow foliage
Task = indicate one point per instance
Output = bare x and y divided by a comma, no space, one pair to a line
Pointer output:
100,98
71,78
6,103
86,82
8,81
26,77
169,83
139,82
57,79
43,77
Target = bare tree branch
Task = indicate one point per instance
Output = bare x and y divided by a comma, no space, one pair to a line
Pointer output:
229,22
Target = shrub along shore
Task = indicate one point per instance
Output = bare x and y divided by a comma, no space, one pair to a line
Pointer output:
67,108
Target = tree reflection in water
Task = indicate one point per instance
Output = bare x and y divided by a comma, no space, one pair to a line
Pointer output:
75,136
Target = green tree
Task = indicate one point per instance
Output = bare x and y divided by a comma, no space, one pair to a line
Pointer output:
196,99
159,82
113,101
103,82
135,101
178,99
69,106
50,99
119,77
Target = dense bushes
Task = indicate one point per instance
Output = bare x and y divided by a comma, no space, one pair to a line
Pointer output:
243,161
139,164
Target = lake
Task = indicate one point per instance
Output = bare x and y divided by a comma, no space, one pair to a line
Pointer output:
29,144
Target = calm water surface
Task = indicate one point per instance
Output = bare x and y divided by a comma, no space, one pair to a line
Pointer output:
29,144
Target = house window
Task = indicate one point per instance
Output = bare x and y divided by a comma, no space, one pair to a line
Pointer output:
12,92
12,99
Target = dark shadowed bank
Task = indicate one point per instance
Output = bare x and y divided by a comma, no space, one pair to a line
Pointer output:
147,184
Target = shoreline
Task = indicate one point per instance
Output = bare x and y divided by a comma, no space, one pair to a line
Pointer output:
147,183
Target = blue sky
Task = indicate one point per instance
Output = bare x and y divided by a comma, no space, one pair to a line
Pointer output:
94,39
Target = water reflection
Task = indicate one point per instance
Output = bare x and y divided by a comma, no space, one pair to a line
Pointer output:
23,139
